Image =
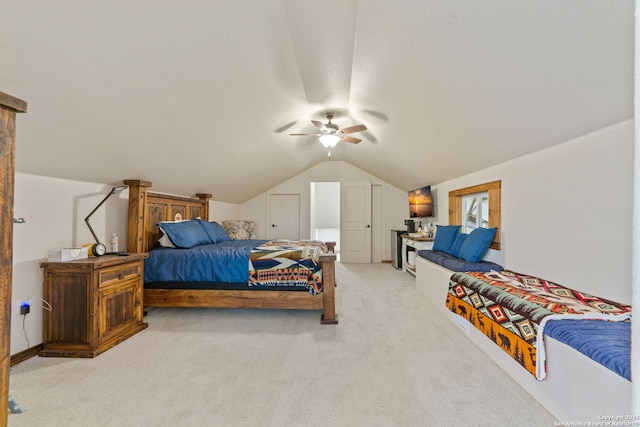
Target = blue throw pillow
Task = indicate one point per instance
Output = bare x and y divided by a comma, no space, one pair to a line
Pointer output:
185,234
215,231
477,244
445,236
457,245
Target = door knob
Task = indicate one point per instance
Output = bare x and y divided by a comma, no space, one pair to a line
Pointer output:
273,225
368,226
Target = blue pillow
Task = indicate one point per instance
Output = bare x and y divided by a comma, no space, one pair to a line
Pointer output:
215,231
477,244
185,234
457,245
445,236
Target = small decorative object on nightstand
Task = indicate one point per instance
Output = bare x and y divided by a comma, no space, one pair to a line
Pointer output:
96,303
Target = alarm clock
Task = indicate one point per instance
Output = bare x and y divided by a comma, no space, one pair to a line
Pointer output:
96,249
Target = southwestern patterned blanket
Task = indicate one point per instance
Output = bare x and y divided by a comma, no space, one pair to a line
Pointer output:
287,263
512,310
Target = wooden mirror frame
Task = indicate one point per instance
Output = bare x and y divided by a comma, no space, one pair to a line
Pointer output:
494,190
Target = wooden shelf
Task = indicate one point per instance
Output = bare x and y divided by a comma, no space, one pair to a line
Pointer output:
413,244
411,269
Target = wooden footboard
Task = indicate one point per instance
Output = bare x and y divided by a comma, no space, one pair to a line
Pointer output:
328,262
147,209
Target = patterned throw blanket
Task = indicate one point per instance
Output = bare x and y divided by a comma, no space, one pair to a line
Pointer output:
287,263
512,310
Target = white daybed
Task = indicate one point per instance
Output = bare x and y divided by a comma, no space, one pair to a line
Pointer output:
576,388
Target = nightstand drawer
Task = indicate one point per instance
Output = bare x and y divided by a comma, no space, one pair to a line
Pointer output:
109,276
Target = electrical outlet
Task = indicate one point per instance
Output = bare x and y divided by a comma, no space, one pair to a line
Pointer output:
25,307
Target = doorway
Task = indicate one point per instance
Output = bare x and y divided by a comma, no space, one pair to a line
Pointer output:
324,218
350,213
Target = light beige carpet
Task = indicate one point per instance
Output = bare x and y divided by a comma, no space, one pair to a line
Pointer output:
392,361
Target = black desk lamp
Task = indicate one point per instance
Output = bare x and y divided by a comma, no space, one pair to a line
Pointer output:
98,248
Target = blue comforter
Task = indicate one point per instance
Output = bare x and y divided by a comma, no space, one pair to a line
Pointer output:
221,262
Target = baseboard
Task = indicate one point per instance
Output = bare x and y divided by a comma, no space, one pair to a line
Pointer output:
25,355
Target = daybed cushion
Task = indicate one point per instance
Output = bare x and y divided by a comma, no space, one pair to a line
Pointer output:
608,343
457,245
457,264
445,236
477,244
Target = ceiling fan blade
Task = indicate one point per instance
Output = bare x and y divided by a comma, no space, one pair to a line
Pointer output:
285,127
351,139
319,125
356,128
305,134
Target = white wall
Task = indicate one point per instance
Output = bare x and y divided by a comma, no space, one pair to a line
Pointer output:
255,210
635,230
397,209
220,211
335,171
55,210
566,211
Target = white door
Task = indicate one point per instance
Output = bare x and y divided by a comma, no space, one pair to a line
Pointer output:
284,217
355,221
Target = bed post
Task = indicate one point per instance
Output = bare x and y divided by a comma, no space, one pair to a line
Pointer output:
205,198
328,264
137,215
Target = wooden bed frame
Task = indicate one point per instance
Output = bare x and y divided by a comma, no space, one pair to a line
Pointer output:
147,209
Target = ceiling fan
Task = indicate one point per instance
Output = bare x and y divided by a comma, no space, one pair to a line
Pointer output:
331,133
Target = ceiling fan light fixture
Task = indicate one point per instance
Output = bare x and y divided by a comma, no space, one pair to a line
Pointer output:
329,140
330,133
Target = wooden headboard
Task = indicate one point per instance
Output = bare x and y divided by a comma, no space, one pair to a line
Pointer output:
147,209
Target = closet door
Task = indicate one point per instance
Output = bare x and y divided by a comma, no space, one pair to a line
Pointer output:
9,106
284,217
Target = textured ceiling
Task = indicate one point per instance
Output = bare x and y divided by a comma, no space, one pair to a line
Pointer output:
200,96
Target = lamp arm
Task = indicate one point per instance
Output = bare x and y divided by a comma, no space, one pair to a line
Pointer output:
94,210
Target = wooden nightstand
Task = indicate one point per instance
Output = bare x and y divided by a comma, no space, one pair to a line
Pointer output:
96,304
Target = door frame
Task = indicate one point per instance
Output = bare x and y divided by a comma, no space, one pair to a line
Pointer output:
311,208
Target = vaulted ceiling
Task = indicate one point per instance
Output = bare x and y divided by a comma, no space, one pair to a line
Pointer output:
200,96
